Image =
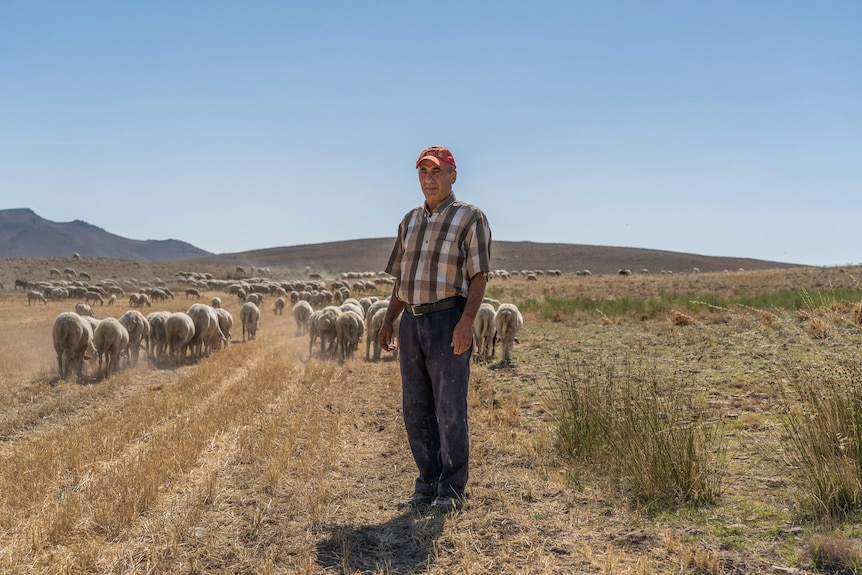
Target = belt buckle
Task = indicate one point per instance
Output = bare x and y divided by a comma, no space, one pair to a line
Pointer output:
414,312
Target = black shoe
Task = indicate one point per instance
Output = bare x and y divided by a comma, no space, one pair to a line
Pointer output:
416,500
446,504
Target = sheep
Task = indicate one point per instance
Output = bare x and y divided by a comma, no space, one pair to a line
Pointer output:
216,302
225,324
58,294
179,330
302,310
374,330
84,309
207,332
279,306
192,292
484,331
349,329
110,339
321,325
507,322
93,296
139,300
35,296
255,298
156,342
73,343
139,331
112,300
353,305
249,316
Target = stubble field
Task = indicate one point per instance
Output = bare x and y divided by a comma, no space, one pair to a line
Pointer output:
259,459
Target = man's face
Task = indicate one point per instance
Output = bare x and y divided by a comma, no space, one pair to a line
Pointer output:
436,181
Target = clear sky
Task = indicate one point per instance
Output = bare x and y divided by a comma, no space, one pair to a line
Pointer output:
723,128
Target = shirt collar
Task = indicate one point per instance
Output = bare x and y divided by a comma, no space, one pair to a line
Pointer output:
450,199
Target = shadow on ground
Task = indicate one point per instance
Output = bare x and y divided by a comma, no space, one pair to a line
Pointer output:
403,545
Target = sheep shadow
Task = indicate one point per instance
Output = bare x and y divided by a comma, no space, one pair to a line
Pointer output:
400,546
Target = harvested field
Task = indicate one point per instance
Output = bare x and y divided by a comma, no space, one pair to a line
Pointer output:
259,459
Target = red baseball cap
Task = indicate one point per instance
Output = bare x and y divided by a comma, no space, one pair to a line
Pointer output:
437,154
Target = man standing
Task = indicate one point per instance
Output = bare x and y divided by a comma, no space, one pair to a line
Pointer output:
440,260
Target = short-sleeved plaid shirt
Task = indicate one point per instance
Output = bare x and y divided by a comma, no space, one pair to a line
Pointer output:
436,253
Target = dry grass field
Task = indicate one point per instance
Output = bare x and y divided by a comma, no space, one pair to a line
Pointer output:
261,459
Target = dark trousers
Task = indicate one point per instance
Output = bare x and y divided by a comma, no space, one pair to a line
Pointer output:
434,388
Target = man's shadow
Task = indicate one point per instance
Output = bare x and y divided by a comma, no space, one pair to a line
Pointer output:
402,545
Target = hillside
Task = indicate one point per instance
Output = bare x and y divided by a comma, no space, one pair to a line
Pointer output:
24,234
372,254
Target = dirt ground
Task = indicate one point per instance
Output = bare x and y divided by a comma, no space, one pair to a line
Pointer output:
264,459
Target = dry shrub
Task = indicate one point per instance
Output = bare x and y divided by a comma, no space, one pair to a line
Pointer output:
841,306
819,328
803,315
856,314
767,317
835,554
679,318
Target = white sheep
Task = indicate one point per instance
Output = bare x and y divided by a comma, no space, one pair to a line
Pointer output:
83,309
279,306
302,310
93,296
225,324
139,331
179,331
73,343
249,316
156,342
321,325
35,296
351,304
110,339
508,321
484,332
374,330
207,331
349,329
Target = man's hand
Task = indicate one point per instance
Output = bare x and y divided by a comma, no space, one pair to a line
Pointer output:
462,337
384,336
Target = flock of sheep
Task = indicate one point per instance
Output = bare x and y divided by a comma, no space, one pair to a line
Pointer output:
339,329
328,313
165,336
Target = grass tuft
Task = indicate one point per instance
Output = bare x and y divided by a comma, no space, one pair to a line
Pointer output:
628,418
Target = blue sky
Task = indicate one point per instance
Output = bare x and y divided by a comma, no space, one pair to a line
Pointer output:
724,128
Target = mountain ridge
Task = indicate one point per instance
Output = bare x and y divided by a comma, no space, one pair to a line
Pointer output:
25,234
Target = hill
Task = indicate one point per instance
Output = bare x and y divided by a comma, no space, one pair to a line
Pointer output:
24,234
371,255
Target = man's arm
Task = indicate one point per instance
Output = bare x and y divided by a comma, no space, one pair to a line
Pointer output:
462,337
392,310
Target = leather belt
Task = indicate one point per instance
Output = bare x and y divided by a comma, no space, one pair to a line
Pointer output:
439,305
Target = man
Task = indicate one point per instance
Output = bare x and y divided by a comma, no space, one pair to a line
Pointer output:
439,261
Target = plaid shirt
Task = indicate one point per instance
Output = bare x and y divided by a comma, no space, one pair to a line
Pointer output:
436,253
